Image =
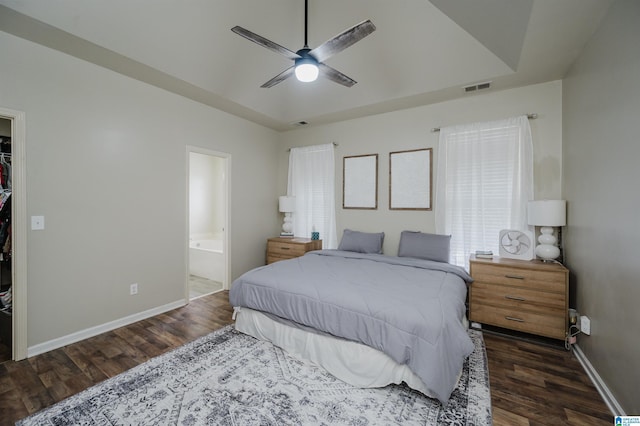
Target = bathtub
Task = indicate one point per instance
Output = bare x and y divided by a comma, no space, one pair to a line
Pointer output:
206,259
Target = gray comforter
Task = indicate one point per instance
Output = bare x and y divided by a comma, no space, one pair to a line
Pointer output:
408,308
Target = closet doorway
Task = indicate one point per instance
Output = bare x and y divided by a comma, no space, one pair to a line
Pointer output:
6,273
207,230
13,236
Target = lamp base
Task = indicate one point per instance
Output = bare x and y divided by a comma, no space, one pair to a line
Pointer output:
547,250
287,226
547,253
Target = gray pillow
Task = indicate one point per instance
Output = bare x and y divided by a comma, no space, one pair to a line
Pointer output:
424,246
361,242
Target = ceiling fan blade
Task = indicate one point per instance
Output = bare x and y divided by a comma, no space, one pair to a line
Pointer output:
343,40
279,78
336,76
275,47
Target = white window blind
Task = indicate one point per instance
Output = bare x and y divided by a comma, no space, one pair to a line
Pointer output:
312,183
485,179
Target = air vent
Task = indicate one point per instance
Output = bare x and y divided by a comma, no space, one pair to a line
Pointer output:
299,123
479,86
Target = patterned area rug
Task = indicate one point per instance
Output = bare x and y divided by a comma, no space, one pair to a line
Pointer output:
228,378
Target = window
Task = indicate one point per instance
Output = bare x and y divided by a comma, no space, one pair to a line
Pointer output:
485,179
312,182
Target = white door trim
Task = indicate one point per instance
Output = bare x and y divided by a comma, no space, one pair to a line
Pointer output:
226,249
19,231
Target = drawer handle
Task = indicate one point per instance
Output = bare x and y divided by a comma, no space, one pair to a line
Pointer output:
285,248
515,277
514,319
518,298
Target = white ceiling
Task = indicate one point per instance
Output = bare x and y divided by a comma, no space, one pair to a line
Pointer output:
422,51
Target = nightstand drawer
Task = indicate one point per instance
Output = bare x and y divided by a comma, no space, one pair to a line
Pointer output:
549,325
285,249
520,277
288,248
516,297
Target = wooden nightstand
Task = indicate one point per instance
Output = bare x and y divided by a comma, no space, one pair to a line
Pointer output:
527,296
287,248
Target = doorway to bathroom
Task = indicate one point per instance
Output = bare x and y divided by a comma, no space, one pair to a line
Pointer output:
207,254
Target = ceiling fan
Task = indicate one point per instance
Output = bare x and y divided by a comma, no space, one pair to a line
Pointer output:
309,63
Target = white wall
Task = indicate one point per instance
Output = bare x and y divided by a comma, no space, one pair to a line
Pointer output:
411,128
601,99
106,166
206,195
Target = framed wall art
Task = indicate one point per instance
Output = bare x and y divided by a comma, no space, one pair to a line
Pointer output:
410,179
360,182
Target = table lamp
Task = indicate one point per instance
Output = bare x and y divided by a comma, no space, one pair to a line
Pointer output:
287,205
547,214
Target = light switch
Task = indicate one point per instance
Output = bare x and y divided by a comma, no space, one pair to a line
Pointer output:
37,223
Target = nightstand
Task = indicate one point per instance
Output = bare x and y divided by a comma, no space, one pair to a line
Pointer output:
527,296
279,248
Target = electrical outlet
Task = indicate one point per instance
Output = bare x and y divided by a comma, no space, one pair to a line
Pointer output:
133,289
585,324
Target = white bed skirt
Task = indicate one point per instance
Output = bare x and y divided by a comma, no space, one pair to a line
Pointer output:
354,363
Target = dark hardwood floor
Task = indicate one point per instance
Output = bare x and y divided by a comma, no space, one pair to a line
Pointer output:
530,384
30,385
534,384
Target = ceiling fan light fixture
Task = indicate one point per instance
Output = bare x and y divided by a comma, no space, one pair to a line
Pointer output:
309,62
306,70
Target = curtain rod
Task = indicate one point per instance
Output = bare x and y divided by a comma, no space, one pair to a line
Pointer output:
334,144
531,116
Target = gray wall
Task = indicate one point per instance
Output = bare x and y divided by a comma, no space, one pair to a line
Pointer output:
106,166
601,148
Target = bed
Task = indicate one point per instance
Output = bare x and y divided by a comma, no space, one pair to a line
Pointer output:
367,318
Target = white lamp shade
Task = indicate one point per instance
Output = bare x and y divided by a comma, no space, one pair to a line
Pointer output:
547,213
286,204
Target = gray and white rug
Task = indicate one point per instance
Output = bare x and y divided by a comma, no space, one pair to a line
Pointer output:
228,378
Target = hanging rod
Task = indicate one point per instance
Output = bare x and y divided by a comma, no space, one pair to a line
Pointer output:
531,116
334,144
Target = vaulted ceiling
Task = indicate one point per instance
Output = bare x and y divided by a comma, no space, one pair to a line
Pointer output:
421,52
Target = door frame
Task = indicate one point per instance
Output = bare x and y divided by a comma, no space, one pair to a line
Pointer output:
226,247
19,231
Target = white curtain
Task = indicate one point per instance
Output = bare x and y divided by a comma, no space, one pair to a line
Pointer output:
484,181
312,182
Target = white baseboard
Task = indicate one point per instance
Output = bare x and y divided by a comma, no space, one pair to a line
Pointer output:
601,386
99,329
